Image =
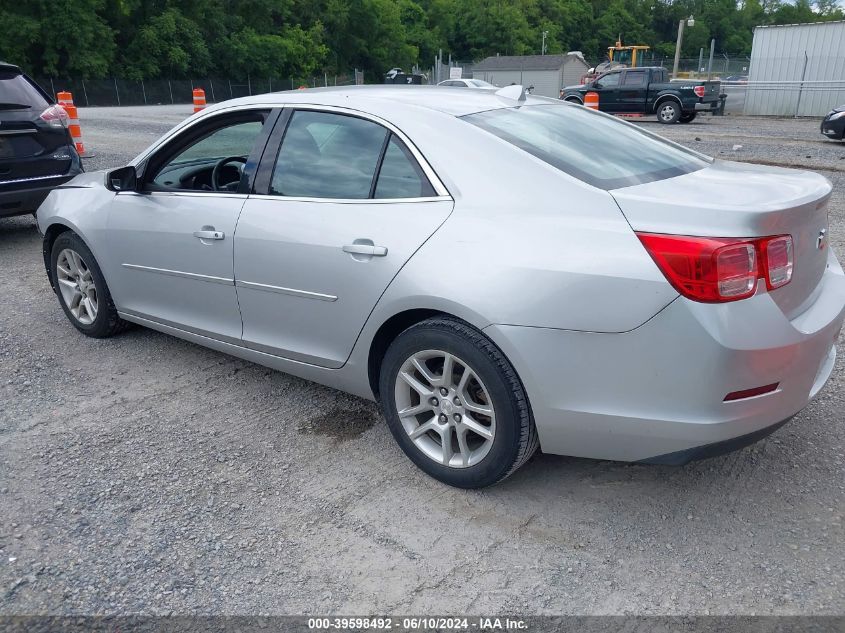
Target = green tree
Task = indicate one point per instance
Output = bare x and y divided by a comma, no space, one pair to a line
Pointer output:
57,38
168,45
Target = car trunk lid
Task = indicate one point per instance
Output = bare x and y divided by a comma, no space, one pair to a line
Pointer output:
739,200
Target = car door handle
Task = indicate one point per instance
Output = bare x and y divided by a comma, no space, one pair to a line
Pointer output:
365,249
209,235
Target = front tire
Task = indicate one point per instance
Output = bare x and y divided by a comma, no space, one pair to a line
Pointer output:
81,288
668,111
455,404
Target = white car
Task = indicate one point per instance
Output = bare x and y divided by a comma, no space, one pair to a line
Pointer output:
501,271
478,84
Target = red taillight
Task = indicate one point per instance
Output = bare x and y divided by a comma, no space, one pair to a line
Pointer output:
699,91
55,116
718,270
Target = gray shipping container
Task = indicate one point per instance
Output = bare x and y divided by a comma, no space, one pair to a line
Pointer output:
797,69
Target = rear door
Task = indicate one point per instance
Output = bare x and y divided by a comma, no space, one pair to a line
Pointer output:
31,149
341,202
632,90
607,86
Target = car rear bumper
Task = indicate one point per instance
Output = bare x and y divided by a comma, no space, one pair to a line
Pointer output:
657,393
26,195
707,107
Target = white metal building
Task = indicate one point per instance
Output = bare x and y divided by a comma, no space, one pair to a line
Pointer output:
547,73
797,69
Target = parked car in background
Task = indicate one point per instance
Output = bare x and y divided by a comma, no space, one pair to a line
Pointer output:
469,83
36,150
833,125
648,91
587,287
739,79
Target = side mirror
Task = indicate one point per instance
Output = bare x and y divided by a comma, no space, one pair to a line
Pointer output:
123,179
595,85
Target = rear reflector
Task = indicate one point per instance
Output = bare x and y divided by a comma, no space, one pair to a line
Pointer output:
699,91
718,270
750,393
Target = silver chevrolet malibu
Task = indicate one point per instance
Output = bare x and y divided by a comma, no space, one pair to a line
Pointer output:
501,272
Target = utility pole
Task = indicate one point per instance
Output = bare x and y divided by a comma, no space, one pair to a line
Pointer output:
710,63
543,48
689,22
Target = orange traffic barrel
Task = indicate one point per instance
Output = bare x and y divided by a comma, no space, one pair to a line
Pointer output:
74,128
64,98
591,100
199,99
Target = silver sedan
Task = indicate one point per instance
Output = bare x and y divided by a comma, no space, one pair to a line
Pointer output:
501,272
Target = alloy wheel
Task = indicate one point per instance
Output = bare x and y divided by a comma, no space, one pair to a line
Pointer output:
77,286
667,112
445,408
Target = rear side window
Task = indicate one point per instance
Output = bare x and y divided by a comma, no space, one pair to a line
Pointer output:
593,147
400,176
634,78
326,155
342,157
18,93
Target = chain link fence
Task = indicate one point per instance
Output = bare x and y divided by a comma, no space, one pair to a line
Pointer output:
124,92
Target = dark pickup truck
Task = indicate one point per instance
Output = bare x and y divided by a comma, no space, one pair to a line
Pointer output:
648,91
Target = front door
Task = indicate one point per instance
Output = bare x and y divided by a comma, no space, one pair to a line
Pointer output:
171,242
346,202
607,87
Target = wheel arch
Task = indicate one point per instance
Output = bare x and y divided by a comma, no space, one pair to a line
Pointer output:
664,97
574,99
51,234
387,333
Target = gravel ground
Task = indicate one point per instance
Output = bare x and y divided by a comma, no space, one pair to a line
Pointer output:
146,474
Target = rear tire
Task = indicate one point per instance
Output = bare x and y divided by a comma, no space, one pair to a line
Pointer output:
688,117
468,426
81,288
668,111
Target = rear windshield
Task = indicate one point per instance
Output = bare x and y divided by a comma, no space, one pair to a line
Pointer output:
600,150
17,93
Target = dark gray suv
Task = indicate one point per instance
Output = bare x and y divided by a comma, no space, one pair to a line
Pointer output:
36,150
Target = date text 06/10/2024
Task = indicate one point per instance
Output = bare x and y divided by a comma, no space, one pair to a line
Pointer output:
421,623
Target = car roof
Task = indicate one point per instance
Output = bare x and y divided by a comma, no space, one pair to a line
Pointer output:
445,99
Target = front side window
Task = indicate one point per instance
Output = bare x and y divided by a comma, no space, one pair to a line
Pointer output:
611,80
593,147
213,161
